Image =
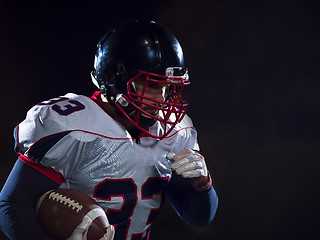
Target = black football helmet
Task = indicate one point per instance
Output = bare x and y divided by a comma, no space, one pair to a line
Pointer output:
142,49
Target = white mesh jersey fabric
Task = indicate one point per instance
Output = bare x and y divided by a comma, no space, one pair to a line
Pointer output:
99,158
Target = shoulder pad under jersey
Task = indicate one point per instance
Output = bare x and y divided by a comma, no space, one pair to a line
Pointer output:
64,114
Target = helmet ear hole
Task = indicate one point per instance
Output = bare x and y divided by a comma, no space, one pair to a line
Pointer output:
111,78
122,71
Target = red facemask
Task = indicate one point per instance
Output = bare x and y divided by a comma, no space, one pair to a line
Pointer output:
156,97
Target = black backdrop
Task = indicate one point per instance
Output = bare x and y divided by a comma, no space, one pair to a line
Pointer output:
254,98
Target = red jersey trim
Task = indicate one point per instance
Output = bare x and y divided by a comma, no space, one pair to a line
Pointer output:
96,95
47,171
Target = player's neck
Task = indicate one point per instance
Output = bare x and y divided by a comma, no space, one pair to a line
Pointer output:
105,105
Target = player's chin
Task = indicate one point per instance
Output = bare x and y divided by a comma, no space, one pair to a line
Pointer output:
153,113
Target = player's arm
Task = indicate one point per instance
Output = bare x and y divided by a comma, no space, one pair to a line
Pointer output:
17,199
190,189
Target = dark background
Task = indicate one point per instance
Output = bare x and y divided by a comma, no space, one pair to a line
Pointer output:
254,98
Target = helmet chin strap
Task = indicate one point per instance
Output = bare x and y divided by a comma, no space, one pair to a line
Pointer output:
144,121
128,109
124,108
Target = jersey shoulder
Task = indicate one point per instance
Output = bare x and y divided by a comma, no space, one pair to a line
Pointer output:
187,133
183,136
64,114
185,123
184,127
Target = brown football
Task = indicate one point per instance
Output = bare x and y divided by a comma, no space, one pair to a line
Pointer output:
60,211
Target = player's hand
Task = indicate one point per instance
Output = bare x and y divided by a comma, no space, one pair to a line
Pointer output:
191,164
79,232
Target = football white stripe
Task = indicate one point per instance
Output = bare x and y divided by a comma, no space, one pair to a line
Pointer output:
92,215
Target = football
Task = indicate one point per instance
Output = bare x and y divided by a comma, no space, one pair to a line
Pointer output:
60,211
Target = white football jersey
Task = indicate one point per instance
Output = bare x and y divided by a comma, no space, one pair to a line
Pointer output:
97,156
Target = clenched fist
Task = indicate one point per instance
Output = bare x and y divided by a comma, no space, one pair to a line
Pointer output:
191,164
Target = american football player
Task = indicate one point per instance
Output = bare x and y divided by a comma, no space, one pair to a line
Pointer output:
130,146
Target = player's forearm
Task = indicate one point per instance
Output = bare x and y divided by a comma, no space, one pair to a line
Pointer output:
199,208
17,222
194,207
17,198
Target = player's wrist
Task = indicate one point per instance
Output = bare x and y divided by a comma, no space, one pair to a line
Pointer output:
201,183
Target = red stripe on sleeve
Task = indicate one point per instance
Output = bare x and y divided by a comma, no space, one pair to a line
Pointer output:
47,171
